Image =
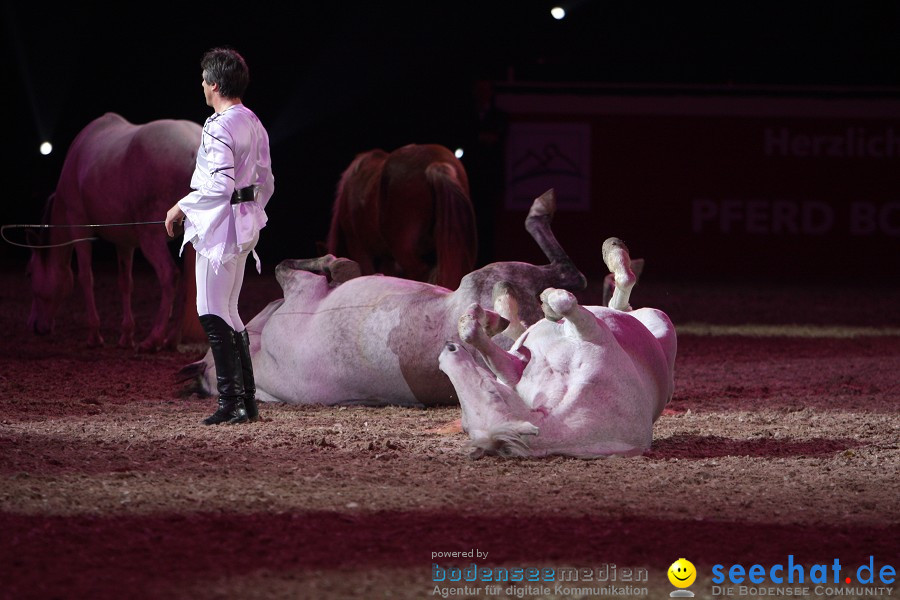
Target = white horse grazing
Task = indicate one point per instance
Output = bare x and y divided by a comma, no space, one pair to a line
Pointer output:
583,381
337,338
116,172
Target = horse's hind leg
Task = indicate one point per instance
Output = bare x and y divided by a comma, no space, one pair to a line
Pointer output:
617,259
126,286
609,282
475,327
337,270
507,306
538,225
156,251
86,280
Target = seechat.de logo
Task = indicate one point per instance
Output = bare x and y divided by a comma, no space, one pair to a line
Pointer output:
793,573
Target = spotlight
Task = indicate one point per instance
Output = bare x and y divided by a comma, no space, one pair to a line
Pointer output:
558,13
458,153
46,148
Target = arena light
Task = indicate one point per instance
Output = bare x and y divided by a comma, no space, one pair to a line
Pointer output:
46,148
458,153
558,13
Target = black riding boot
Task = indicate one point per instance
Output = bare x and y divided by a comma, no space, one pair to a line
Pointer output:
229,376
242,341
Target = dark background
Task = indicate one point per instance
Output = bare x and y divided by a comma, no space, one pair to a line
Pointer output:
333,79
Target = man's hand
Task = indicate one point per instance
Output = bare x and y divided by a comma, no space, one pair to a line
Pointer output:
175,215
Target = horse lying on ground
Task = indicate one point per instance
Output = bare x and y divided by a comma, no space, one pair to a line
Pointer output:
338,338
116,172
406,213
583,381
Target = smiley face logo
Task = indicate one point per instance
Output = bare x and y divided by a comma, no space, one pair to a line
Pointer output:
682,573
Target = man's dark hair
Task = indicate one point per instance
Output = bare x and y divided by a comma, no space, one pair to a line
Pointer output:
227,68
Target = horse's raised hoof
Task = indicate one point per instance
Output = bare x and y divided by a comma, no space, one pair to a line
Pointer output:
471,323
557,303
343,269
543,205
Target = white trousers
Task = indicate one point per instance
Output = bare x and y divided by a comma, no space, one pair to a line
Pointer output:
218,290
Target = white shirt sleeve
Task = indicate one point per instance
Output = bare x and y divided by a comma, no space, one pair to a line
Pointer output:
209,204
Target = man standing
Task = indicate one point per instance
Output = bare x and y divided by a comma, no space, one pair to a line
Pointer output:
232,184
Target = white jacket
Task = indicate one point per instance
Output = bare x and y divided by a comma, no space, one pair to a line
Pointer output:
233,154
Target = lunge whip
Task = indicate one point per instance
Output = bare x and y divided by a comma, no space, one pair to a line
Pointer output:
75,241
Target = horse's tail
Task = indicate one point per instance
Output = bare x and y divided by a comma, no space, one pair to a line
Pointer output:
336,243
455,236
350,197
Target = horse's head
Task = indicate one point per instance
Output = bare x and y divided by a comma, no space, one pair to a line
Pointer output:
51,277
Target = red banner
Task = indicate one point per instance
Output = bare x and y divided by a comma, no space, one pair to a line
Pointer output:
710,186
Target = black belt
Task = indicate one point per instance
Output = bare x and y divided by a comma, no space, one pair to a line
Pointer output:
247,194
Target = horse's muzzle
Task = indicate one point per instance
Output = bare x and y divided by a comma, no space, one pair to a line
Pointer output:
38,321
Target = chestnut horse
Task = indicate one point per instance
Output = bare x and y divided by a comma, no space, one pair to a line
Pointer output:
407,214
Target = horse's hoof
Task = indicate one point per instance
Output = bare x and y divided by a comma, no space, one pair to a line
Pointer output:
343,269
543,205
172,340
126,342
149,346
560,301
95,341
